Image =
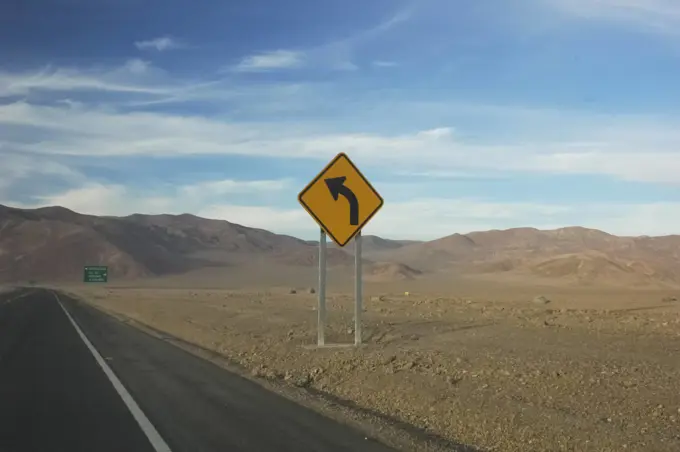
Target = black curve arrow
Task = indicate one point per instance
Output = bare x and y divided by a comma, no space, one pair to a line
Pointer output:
337,187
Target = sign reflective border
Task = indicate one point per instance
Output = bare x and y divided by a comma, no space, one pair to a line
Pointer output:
341,200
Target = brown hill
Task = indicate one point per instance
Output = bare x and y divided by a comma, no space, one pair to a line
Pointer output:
55,243
371,244
574,254
590,267
309,256
390,271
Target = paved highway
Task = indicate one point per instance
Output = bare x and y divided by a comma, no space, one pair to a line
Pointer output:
74,379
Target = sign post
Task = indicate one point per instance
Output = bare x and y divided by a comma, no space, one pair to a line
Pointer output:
321,324
342,220
358,289
96,274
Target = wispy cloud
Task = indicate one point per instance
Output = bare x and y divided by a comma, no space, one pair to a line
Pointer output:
380,63
160,44
335,55
617,147
653,15
117,199
128,78
16,168
137,66
135,83
231,186
339,54
267,61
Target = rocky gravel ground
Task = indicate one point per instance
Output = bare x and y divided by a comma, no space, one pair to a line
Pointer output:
526,375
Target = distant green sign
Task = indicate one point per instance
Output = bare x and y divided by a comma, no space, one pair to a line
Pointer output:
96,274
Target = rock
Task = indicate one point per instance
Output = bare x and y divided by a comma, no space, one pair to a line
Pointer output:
303,382
258,371
540,300
292,291
311,290
271,374
378,298
453,380
389,359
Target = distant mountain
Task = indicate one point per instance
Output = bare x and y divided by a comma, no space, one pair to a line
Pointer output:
391,271
572,254
54,243
371,244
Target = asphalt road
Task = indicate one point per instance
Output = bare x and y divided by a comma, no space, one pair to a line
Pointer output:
56,396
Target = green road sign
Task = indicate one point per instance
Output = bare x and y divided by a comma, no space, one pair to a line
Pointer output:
96,274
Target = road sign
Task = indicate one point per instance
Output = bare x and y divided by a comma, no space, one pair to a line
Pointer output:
98,274
341,200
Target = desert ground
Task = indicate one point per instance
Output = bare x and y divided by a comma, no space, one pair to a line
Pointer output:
455,361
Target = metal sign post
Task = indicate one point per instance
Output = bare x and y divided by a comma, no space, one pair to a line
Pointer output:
342,201
321,325
357,289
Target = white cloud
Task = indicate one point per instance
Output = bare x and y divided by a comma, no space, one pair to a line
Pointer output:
385,64
17,168
231,186
654,15
127,78
339,54
617,147
98,199
116,199
137,66
436,217
135,83
160,44
278,59
336,55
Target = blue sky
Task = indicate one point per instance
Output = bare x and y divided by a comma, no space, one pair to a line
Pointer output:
464,115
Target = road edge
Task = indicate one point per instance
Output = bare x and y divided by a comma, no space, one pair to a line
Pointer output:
155,439
385,428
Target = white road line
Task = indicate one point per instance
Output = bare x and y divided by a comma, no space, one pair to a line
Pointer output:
149,430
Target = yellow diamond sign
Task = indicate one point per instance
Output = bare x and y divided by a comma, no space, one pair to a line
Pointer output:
341,200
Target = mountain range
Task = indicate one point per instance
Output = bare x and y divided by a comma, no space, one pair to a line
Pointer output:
54,243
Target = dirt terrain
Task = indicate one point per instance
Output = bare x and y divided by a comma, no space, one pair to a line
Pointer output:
502,367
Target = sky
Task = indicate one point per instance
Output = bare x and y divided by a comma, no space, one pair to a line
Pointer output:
465,116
